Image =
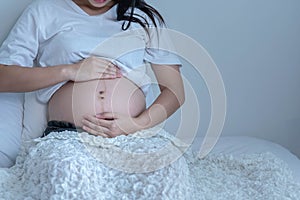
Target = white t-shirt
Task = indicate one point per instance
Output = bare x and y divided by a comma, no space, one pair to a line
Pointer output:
54,32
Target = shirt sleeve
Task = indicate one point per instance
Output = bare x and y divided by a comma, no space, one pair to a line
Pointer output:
159,47
21,45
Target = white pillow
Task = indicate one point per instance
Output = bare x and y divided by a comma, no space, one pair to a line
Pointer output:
11,117
35,117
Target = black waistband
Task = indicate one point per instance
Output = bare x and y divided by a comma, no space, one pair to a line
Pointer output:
59,126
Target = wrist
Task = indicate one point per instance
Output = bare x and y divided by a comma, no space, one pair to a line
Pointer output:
68,72
142,121
154,115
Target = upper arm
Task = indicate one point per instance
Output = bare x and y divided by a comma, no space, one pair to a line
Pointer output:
168,76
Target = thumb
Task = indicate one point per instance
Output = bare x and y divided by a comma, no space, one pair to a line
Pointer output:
107,115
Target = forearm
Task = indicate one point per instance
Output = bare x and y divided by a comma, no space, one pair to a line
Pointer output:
25,79
170,99
162,108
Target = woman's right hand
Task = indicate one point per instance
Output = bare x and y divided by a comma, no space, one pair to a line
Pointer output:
15,78
93,68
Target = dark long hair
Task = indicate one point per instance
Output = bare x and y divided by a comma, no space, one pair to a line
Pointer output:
128,18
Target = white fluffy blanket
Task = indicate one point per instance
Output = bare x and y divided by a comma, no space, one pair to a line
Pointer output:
251,176
150,164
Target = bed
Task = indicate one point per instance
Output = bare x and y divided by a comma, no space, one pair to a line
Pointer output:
238,167
238,145
240,162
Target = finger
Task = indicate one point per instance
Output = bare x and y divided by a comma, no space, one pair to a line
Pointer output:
103,123
95,126
107,76
109,64
119,74
93,132
99,59
107,115
112,69
106,70
105,66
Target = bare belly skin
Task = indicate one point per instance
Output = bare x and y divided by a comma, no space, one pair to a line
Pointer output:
73,100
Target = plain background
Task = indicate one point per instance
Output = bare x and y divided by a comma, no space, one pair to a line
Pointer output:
256,46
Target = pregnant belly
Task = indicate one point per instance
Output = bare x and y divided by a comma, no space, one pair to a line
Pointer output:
73,100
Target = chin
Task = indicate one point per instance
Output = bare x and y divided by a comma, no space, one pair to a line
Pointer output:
100,3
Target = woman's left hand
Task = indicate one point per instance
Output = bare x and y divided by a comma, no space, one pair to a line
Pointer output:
110,124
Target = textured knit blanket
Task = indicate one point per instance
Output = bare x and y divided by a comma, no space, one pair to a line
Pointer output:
149,164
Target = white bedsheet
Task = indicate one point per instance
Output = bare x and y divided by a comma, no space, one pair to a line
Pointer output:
239,145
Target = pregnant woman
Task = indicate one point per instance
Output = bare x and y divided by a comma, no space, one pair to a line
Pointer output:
96,95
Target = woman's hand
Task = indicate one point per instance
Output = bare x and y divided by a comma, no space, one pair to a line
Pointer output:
110,124
93,68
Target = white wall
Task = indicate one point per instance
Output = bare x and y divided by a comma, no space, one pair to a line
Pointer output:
9,12
256,46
